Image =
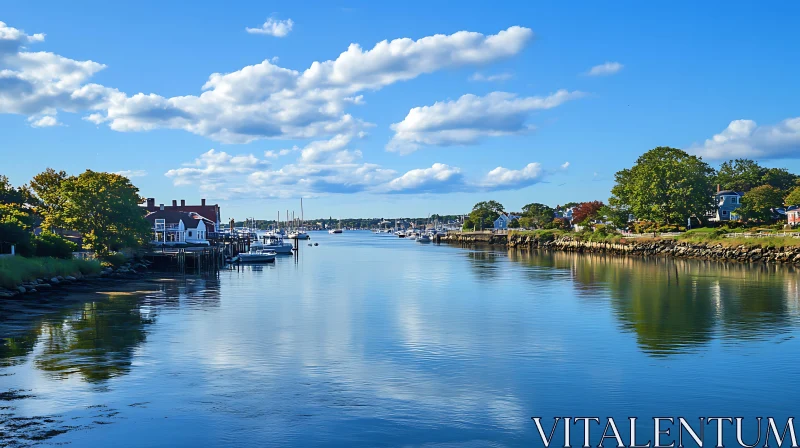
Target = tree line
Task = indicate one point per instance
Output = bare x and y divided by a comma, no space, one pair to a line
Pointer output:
665,187
102,207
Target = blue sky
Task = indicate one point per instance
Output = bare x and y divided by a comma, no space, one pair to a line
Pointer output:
475,102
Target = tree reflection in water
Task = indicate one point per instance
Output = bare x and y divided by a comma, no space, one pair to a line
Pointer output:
676,305
97,340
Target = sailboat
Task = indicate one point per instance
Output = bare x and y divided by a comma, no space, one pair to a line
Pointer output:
336,230
300,234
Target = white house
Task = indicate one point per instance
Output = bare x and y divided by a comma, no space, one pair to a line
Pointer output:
171,227
504,220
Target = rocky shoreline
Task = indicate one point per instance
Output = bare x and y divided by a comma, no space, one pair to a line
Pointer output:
128,270
650,247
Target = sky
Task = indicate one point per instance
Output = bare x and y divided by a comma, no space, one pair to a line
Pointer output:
379,109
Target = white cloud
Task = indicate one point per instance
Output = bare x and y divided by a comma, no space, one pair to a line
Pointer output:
744,138
491,78
608,68
506,179
565,165
260,101
41,83
213,165
469,119
44,121
439,178
132,173
272,27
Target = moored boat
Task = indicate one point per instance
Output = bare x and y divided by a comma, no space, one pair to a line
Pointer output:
257,256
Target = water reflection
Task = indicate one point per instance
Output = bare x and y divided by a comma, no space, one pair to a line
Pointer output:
676,305
96,340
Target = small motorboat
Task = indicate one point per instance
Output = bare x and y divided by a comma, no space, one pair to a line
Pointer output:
298,235
316,244
257,256
423,239
332,231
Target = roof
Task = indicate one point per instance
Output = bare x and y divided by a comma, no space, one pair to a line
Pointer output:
729,193
190,220
209,211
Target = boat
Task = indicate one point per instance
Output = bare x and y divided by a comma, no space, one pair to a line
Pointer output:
400,234
424,239
257,256
298,235
276,244
332,231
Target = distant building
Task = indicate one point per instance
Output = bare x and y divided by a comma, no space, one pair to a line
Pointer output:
207,211
725,204
793,215
174,227
504,220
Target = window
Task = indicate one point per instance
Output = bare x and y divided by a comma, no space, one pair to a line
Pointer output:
724,213
190,234
735,200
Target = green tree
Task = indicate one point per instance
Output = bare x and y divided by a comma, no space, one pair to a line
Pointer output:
739,175
757,204
47,188
779,178
514,224
793,198
540,214
468,225
484,213
104,207
618,216
666,185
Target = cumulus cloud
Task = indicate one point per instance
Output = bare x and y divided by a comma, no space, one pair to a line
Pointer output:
565,165
44,121
439,178
608,68
132,173
272,27
214,165
469,119
506,179
491,78
41,83
260,101
744,138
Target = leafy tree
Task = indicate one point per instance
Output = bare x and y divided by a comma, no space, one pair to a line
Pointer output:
739,175
514,224
540,214
559,223
468,224
51,245
618,216
569,205
47,188
16,219
793,198
484,213
104,207
586,210
757,203
666,185
779,178
526,222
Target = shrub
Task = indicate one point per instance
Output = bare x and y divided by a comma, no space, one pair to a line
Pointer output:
51,245
114,260
17,270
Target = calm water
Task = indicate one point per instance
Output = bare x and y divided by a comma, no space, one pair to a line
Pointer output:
369,340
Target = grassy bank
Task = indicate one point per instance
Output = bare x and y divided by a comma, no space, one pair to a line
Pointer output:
17,270
554,234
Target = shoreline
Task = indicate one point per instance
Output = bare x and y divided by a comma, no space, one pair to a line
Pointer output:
713,251
128,271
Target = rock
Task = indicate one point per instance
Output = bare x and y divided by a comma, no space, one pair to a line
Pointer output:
6,294
44,286
70,278
60,278
32,290
21,289
54,281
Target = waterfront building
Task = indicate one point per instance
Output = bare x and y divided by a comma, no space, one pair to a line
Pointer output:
725,204
175,227
207,211
504,220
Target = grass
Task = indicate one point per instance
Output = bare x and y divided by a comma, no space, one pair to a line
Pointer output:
17,270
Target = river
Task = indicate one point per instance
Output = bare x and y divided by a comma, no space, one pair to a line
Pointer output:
370,340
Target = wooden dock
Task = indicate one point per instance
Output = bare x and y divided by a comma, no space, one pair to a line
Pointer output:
197,259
